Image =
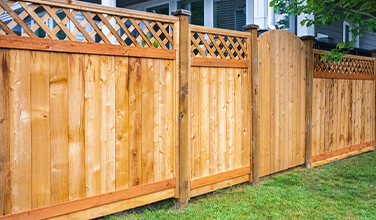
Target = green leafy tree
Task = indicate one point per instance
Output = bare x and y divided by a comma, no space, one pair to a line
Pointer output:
362,12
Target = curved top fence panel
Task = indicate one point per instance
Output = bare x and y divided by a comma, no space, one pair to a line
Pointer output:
86,22
351,64
218,43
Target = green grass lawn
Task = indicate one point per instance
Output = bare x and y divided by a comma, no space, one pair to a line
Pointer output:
341,190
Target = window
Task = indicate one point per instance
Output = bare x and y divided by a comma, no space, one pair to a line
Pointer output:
197,9
347,35
229,14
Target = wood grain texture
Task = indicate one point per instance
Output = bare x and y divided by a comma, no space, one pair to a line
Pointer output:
59,127
93,147
121,123
5,135
20,122
282,101
135,123
147,117
108,199
76,126
346,114
40,129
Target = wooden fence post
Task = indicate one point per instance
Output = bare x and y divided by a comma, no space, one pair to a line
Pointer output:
253,72
184,71
308,41
374,86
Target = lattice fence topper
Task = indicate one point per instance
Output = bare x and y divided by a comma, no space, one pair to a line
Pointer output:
218,46
348,65
19,18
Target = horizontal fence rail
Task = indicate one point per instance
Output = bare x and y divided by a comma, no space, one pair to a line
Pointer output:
351,67
85,23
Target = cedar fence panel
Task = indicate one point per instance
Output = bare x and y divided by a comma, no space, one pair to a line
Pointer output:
219,106
343,108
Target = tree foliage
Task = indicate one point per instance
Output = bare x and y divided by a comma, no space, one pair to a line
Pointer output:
361,12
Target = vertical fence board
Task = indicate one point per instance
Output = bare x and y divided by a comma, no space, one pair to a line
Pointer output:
213,152
59,127
222,123
135,120
6,199
147,113
16,67
169,156
195,120
204,121
121,123
246,154
93,150
230,117
40,129
159,107
76,126
238,118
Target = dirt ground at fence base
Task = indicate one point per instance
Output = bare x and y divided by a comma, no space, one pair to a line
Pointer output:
340,190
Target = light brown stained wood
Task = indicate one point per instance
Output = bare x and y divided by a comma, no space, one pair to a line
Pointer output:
285,93
221,63
282,102
6,103
315,116
16,71
204,121
230,118
121,123
303,68
147,113
326,117
59,127
335,113
93,149
290,153
264,69
107,93
322,117
169,128
344,113
204,181
135,120
76,126
213,133
367,101
277,67
95,202
222,123
350,115
331,115
40,129
272,85
262,88
326,75
339,114
238,118
246,153
358,103
195,120
159,110
353,113
363,113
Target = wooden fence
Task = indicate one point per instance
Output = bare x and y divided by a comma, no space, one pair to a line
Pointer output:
105,109
343,116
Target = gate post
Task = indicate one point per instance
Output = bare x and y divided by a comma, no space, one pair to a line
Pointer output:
184,62
308,41
253,93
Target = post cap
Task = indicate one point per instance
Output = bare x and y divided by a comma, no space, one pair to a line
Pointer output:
250,26
181,12
307,37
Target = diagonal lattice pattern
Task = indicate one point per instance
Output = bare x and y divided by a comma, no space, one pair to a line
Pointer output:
218,46
19,18
348,65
